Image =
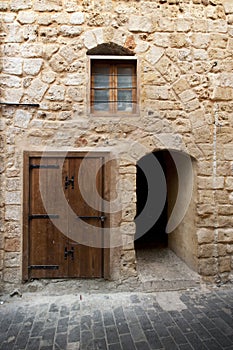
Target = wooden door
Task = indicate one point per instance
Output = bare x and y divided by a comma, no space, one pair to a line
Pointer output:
66,219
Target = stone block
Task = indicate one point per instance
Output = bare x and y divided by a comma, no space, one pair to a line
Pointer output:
56,93
169,71
93,37
217,26
37,89
77,18
229,183
201,40
225,235
187,95
166,24
224,264
157,92
222,94
229,249
222,249
154,54
44,19
26,17
31,50
162,39
129,256
128,214
207,251
219,40
140,24
200,54
128,228
47,5
228,6
192,105
12,275
17,5
13,213
208,267
70,31
225,209
180,86
12,245
228,152
73,79
13,197
183,25
32,66
4,5
10,81
11,259
178,40
13,66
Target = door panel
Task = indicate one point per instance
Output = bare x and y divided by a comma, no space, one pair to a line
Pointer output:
88,254
46,242
59,245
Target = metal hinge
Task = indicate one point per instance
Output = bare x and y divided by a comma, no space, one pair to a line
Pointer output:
12,104
41,166
43,216
43,267
101,218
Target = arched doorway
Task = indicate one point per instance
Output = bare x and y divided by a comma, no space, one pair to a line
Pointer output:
158,182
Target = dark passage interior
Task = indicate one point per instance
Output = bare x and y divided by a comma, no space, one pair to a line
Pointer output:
155,236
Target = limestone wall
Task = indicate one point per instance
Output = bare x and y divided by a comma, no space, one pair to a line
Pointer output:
185,65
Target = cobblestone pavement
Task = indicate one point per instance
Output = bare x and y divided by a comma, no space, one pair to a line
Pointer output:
184,320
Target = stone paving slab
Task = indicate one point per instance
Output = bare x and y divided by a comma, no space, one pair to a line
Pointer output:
186,320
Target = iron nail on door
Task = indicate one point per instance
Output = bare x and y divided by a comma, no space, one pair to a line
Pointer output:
69,182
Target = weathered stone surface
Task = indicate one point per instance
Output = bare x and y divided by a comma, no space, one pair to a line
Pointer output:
185,92
70,31
207,251
12,259
225,235
32,66
22,119
205,236
13,66
17,5
222,94
224,264
140,24
12,212
26,17
77,18
47,5
228,6
56,93
12,245
208,267
31,50
37,89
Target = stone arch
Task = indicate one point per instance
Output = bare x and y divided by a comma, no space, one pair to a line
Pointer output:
110,48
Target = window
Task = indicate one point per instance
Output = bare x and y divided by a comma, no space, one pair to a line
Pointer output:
113,86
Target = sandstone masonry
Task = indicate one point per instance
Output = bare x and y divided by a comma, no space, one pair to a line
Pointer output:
185,65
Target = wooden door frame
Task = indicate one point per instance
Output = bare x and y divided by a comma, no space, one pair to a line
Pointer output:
26,200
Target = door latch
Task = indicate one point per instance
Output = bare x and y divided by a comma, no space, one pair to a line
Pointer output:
69,182
69,252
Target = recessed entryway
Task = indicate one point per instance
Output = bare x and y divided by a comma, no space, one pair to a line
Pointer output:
162,255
